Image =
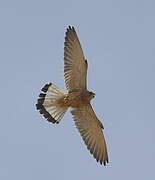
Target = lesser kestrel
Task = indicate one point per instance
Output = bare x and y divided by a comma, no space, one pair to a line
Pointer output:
53,103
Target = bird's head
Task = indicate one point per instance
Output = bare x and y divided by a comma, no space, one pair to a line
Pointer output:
91,95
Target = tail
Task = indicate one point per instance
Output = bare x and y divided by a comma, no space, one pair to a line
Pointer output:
48,103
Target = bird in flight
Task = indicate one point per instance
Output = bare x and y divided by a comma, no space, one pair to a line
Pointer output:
53,102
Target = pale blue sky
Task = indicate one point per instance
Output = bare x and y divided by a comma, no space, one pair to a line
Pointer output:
118,39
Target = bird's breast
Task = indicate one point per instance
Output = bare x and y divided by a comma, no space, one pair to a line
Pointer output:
75,99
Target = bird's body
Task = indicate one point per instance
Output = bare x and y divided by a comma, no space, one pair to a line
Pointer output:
53,103
76,99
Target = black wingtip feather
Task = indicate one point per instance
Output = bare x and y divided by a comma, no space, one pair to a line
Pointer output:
71,28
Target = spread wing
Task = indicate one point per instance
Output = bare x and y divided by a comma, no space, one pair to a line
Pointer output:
75,65
90,129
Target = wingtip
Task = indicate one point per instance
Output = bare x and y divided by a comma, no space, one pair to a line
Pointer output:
70,28
104,162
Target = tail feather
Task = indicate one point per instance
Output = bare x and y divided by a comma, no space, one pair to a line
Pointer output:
48,103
